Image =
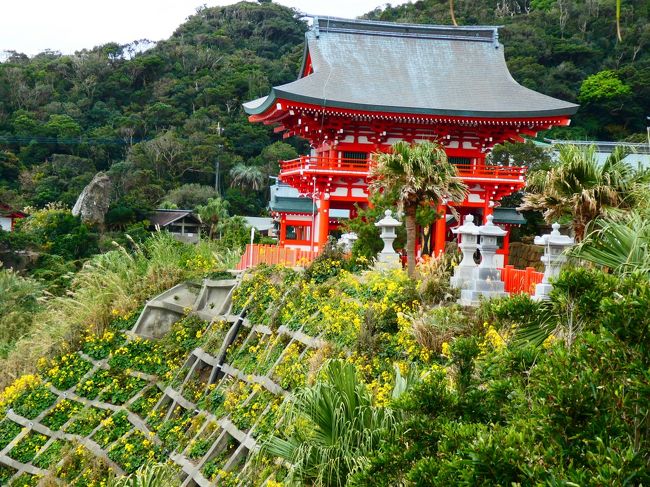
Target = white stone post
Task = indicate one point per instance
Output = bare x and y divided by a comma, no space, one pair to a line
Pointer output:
388,258
486,281
468,243
554,246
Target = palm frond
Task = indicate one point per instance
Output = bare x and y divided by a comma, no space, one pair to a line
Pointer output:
341,426
621,244
582,187
153,475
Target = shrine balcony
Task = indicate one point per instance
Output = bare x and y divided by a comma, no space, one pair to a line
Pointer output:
326,166
360,168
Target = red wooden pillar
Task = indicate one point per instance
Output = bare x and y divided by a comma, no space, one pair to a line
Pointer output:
487,210
506,247
440,231
283,229
323,219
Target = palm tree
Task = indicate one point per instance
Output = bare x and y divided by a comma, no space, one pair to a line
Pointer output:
341,426
251,177
620,244
414,175
453,15
154,475
581,186
618,21
214,212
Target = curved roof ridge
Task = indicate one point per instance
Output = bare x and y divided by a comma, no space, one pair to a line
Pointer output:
480,33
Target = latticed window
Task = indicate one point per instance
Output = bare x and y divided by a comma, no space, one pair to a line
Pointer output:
460,161
357,156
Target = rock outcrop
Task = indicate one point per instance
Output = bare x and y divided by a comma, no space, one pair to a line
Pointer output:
94,200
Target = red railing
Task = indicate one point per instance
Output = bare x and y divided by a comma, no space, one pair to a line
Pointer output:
315,163
329,164
520,280
491,172
272,254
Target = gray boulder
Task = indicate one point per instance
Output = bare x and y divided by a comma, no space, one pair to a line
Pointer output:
94,200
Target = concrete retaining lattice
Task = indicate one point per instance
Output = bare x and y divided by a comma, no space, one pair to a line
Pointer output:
204,375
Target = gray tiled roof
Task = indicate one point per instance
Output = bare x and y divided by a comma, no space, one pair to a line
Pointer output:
501,216
406,68
163,217
287,199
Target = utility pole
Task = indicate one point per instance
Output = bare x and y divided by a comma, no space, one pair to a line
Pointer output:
217,165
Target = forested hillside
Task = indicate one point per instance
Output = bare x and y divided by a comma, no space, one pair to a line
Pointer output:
154,120
161,118
566,49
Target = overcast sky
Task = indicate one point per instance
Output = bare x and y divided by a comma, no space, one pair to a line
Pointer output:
31,26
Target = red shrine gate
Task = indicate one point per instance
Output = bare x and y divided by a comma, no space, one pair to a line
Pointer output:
365,85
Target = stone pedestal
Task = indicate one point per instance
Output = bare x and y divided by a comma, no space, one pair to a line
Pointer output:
468,243
554,246
486,280
388,258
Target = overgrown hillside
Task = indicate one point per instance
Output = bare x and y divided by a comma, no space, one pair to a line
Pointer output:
162,118
341,376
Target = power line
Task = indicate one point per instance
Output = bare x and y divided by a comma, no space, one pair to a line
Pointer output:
41,139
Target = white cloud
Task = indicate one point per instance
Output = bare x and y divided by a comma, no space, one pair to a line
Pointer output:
31,26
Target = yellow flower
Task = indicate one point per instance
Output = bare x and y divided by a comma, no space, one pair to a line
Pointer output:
550,340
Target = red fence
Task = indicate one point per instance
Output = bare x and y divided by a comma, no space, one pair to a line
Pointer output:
516,280
272,254
520,280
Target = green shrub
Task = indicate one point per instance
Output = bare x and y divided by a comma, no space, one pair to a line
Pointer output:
331,261
328,264
579,291
57,232
625,312
525,416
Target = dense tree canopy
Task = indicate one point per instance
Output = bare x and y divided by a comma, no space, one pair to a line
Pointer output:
155,118
158,116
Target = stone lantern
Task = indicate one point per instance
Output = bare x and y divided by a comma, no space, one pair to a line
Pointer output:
486,280
388,258
468,243
554,244
347,241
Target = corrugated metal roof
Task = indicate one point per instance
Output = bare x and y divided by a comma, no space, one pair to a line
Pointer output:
261,224
405,68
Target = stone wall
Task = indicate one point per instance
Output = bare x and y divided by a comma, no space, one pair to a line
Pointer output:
526,255
18,260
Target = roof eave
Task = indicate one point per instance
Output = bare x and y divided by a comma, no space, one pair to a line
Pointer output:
276,94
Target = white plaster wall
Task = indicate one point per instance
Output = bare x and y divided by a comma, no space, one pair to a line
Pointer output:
5,223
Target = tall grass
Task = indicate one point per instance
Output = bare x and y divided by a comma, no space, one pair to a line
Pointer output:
117,280
20,298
